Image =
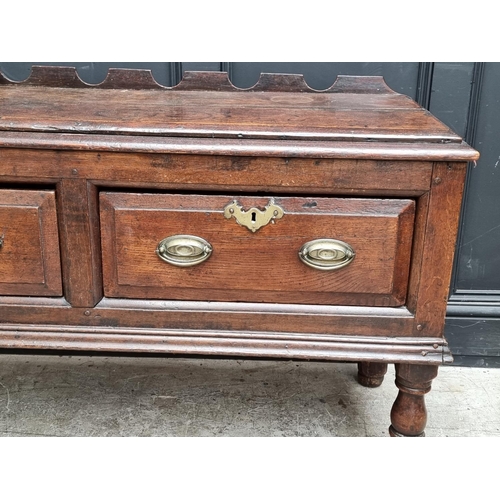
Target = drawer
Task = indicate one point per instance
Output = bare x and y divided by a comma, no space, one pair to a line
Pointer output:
256,266
29,253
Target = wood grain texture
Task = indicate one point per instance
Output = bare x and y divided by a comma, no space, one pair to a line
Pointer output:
438,246
276,82
206,141
158,314
371,374
49,76
207,105
133,162
29,251
108,112
409,414
219,173
261,266
347,348
67,77
119,78
405,151
422,208
80,247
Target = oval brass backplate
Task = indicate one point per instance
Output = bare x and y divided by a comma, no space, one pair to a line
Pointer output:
326,254
184,250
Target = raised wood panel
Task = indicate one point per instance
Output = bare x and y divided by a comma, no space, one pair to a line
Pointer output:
29,249
261,266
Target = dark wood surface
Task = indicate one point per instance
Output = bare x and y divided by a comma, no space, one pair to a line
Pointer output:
228,343
262,266
252,116
181,314
80,245
409,413
406,151
213,109
438,247
197,172
371,374
29,243
127,163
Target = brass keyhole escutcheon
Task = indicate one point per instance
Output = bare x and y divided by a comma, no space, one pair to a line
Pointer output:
254,218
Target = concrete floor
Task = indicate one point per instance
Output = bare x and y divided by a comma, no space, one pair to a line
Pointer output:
52,395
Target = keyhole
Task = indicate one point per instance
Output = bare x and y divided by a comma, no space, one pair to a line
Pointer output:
254,217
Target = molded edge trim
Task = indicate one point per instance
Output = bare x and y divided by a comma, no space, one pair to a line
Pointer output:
432,351
254,308
244,147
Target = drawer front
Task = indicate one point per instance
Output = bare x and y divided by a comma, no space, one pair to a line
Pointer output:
260,266
29,252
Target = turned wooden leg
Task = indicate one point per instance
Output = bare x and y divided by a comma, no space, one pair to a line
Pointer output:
409,415
371,374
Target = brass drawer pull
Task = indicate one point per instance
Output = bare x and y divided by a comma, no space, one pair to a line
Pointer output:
184,250
326,254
